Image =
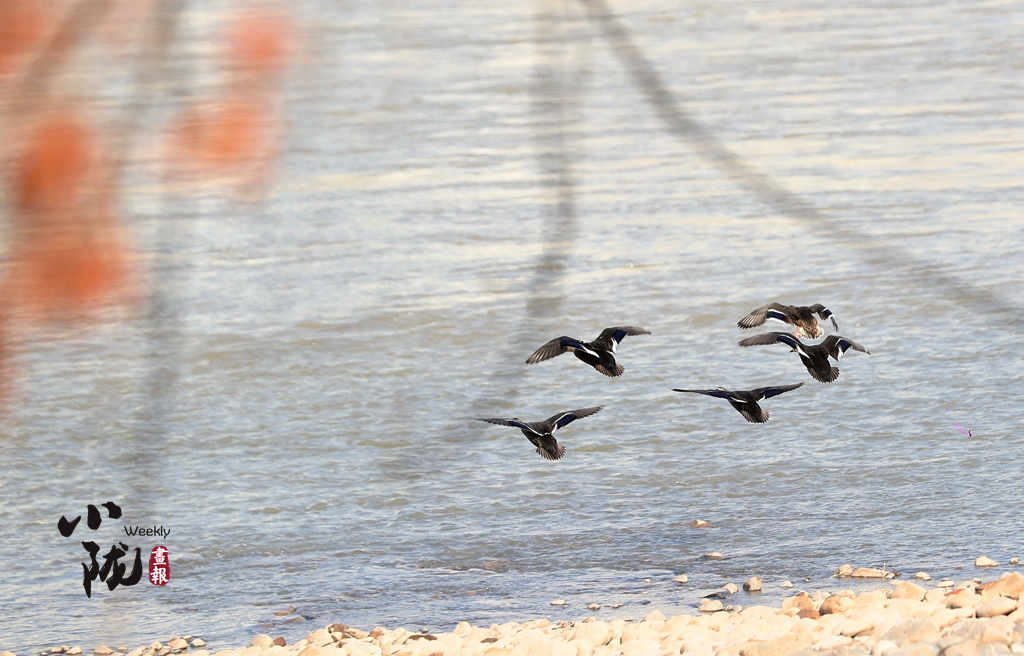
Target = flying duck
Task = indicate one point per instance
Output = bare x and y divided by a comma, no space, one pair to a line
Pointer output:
814,356
746,402
540,432
800,316
599,354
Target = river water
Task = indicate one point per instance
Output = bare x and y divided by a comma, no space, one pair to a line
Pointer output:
458,185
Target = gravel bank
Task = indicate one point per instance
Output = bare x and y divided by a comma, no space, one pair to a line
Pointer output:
908,619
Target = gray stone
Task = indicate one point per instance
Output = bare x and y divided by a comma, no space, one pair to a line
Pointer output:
753,584
786,584
985,561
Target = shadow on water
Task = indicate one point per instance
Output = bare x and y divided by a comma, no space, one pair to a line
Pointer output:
882,256
562,42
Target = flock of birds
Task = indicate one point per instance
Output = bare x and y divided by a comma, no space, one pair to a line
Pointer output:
600,354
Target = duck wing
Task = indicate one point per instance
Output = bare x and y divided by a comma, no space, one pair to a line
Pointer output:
610,337
824,313
773,338
511,422
563,419
775,390
556,347
837,346
722,394
776,311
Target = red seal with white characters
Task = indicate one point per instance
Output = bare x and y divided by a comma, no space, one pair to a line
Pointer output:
159,566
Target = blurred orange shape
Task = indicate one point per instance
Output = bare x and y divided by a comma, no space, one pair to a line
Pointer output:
51,169
259,42
66,271
21,25
223,136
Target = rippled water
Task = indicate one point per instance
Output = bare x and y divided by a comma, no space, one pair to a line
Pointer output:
301,416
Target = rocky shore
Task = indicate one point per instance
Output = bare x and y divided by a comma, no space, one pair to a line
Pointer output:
904,619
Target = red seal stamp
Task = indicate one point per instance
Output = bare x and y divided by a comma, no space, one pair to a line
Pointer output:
159,566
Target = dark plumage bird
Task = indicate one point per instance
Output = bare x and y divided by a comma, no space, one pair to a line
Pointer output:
540,433
746,402
800,316
599,354
814,356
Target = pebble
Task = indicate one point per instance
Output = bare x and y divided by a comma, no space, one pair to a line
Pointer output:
75,651
594,606
176,644
867,573
995,607
699,523
842,572
558,602
979,618
944,583
198,642
1014,560
985,561
262,641
923,576
753,584
103,650
280,641
730,588
682,578
786,584
711,555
